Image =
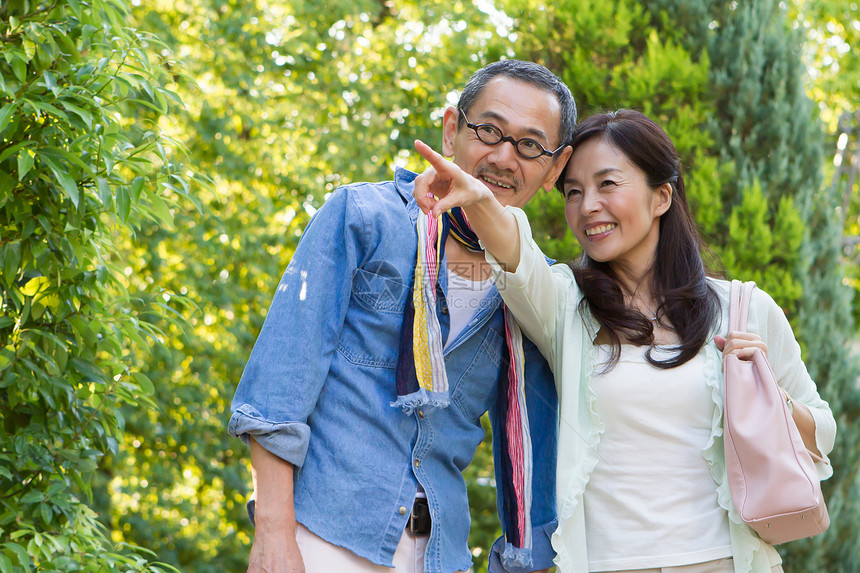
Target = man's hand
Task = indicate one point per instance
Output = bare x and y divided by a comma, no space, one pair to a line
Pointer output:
274,549
275,554
444,185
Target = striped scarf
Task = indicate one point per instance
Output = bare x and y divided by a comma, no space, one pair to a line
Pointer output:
422,381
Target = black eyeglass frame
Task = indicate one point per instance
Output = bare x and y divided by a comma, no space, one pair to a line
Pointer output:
508,138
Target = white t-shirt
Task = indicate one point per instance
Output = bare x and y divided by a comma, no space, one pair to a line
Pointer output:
651,501
464,299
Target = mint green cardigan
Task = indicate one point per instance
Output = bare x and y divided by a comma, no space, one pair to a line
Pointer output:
545,302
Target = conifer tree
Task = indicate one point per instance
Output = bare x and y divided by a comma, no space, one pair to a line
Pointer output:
754,173
767,127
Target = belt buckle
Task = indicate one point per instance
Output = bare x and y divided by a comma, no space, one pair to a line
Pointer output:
419,522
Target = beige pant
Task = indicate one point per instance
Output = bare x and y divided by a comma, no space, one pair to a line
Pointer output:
717,566
320,556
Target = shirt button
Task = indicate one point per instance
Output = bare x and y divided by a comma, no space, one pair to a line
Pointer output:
445,309
416,463
402,510
421,414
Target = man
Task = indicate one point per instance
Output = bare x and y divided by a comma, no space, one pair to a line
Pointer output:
363,395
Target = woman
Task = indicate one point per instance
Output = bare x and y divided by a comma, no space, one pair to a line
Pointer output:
634,333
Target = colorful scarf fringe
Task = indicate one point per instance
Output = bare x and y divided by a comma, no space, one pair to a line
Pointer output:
422,380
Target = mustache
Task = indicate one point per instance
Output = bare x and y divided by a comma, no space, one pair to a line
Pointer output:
500,174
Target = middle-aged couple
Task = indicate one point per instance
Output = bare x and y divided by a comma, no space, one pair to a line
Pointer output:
394,330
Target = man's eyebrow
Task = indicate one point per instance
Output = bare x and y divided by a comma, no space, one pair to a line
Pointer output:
534,132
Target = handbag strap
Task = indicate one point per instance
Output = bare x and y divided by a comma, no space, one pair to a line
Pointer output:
739,304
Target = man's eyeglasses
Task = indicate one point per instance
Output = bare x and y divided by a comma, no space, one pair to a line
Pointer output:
492,135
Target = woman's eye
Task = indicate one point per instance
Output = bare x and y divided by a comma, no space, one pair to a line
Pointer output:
607,183
572,193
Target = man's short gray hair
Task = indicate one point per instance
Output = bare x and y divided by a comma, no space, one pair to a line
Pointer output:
528,72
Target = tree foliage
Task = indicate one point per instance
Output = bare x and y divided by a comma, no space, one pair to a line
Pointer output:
74,171
289,102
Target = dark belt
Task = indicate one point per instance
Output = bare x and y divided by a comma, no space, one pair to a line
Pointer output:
419,520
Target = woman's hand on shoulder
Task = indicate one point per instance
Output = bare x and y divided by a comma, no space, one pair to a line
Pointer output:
741,344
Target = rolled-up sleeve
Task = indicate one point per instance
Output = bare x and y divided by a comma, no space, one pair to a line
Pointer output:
290,361
542,552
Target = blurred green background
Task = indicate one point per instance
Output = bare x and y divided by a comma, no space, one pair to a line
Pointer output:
159,160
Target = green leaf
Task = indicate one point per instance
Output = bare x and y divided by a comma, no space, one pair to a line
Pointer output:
26,158
48,108
75,5
7,355
13,149
5,564
19,68
58,154
123,204
31,496
50,80
137,187
104,192
7,183
46,512
80,112
161,210
88,369
69,186
83,330
6,321
144,382
150,105
6,114
23,558
11,254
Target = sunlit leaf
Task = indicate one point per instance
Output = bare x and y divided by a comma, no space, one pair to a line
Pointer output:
6,114
69,186
26,158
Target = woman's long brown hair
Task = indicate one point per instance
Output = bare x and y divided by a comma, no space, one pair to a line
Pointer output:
686,301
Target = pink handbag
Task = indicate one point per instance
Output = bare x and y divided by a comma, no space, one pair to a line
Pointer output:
772,477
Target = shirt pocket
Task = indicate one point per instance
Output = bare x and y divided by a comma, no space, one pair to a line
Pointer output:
379,286
474,389
371,332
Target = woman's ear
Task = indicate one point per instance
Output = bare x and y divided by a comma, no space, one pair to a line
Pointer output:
449,130
664,199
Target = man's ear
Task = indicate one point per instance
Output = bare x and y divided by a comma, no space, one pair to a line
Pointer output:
449,130
560,165
664,199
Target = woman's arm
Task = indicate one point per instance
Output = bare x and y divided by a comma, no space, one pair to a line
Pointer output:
811,414
791,373
742,344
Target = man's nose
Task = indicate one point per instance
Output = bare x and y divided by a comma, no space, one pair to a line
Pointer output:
503,154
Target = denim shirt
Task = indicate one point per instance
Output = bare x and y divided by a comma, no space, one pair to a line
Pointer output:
318,387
